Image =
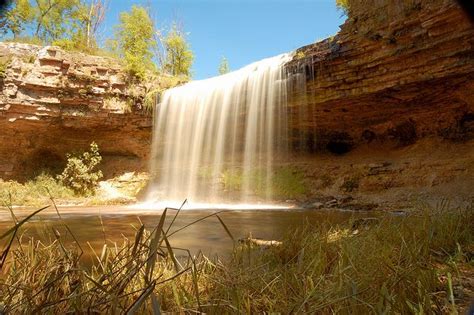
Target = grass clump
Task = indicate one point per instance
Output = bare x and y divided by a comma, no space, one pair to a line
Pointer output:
79,178
397,266
34,192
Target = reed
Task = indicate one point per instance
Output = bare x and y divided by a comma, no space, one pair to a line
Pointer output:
400,265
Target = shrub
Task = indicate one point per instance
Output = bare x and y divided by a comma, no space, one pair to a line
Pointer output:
3,68
343,5
80,173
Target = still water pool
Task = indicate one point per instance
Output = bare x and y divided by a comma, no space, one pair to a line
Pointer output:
92,225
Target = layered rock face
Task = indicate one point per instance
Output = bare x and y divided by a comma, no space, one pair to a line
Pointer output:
397,71
54,102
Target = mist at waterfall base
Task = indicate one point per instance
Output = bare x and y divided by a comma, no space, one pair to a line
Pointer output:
212,136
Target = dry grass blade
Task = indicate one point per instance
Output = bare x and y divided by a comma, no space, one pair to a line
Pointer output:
65,225
4,255
225,228
176,215
154,245
141,299
10,208
196,284
401,271
155,305
20,223
177,266
138,239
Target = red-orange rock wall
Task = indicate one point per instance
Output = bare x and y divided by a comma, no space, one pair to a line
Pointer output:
55,102
397,71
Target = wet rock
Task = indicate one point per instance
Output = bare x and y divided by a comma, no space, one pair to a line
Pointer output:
344,200
399,213
317,205
331,204
258,242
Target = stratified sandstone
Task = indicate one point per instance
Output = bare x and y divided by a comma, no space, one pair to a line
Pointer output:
54,102
396,72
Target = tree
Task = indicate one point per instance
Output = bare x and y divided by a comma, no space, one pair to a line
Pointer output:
94,20
17,18
134,41
224,66
178,56
67,23
57,19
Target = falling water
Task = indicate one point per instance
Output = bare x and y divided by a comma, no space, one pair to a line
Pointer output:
226,128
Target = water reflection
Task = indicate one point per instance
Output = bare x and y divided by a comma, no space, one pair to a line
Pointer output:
91,226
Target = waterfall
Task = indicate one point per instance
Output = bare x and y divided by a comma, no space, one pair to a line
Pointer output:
210,135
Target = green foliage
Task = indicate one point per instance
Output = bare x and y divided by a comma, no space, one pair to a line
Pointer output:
135,40
343,5
26,40
76,43
179,57
70,24
34,192
3,68
80,174
224,66
300,55
57,19
288,182
151,98
285,182
18,18
48,19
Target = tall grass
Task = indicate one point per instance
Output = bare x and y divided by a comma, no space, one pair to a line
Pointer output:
33,192
394,266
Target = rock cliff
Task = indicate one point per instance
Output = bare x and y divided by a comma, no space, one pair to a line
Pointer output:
396,72
54,102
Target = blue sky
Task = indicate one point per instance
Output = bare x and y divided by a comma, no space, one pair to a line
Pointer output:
243,31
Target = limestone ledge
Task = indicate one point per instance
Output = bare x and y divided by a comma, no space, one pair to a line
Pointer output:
54,102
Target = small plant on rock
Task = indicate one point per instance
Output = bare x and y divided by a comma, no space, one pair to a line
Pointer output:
350,184
80,174
3,68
